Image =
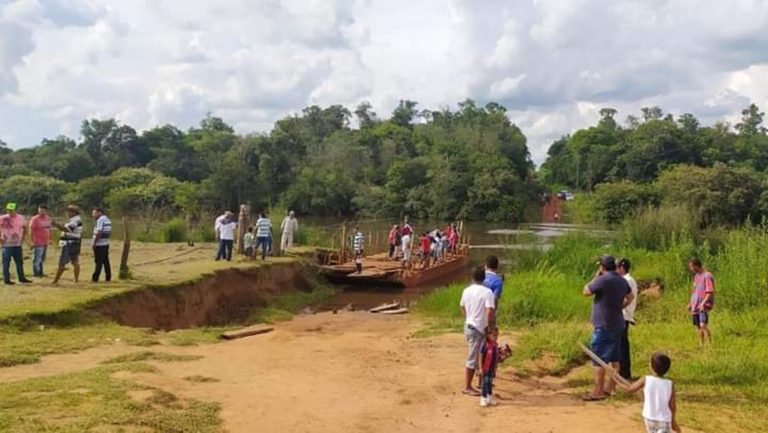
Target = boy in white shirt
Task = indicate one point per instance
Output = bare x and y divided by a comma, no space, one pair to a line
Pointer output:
659,406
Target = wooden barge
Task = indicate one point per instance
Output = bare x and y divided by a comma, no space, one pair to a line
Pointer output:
380,269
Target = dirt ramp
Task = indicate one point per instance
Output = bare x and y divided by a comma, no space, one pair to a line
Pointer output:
227,296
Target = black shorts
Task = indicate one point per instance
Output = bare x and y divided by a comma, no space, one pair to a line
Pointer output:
69,253
700,318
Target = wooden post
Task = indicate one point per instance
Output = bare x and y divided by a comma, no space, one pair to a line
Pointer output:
125,272
343,242
242,222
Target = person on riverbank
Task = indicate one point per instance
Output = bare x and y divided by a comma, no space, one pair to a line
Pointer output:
489,360
625,363
12,234
263,234
70,243
610,293
102,230
226,235
288,227
454,239
659,404
702,299
477,307
493,280
40,234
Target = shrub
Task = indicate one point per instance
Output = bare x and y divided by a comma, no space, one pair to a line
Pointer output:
175,230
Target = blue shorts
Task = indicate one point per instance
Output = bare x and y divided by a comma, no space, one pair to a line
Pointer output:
700,318
606,343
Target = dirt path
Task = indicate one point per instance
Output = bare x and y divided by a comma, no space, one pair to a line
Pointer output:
365,373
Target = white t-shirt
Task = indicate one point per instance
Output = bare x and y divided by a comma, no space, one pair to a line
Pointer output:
476,299
657,392
629,312
227,230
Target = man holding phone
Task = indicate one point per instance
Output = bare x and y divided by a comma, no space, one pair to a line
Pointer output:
610,293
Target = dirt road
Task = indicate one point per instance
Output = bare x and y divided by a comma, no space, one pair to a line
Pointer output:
356,372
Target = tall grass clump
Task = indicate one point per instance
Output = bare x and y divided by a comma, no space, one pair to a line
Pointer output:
741,269
175,230
654,228
575,254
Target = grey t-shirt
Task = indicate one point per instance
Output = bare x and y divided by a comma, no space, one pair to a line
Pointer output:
608,291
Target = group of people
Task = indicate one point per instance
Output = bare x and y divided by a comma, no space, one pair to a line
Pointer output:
433,246
255,238
13,234
614,292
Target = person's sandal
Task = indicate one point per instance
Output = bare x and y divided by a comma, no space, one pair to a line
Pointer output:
590,397
472,392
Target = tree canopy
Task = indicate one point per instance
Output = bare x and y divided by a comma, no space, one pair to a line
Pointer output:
468,163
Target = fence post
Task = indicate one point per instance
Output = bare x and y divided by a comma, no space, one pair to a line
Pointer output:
242,222
125,272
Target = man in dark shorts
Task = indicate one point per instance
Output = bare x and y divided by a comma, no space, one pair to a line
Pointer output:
70,242
702,299
611,293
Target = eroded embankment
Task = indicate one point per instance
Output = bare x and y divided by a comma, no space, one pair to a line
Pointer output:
225,297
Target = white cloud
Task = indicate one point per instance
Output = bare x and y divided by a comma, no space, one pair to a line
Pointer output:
554,63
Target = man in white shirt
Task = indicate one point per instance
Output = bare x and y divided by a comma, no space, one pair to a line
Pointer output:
226,234
477,306
289,227
625,364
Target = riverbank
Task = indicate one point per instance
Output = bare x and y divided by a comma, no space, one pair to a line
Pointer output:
350,371
723,387
174,286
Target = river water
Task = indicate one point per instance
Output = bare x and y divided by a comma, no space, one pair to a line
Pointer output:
485,238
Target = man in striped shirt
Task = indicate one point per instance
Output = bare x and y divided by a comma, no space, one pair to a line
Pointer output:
71,236
358,245
102,230
263,234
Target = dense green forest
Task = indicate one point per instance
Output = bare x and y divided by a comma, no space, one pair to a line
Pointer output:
469,163
717,175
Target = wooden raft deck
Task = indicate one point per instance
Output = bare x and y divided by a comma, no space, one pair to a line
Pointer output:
379,269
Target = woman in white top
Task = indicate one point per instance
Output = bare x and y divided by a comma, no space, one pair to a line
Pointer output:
659,404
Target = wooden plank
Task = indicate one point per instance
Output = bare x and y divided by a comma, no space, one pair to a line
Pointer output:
369,273
602,363
246,332
397,311
383,307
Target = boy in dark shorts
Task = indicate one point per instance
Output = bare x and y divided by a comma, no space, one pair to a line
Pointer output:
702,299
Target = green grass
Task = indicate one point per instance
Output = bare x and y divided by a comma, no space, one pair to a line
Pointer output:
94,400
151,356
544,303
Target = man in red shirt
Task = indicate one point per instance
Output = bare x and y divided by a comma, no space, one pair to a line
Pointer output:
425,245
40,231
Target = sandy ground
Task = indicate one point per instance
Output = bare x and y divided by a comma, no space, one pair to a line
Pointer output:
357,372
364,373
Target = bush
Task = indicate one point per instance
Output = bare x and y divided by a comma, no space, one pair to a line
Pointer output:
655,228
614,202
175,230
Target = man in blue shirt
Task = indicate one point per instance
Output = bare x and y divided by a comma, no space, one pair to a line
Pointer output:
611,294
493,280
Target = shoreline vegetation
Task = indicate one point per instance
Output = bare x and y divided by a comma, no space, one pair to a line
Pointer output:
723,387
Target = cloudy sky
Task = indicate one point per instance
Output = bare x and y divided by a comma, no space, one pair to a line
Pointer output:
553,63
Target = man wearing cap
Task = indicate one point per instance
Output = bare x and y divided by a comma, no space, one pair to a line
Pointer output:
610,293
625,369
70,242
12,237
289,227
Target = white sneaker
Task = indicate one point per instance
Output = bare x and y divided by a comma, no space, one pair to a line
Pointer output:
483,401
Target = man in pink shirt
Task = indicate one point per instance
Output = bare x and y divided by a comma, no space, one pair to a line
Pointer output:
11,237
40,232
